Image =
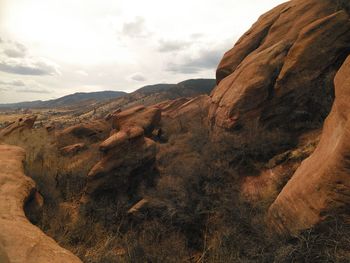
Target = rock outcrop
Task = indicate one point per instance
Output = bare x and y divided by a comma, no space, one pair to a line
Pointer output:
95,130
281,71
21,124
20,241
126,150
146,118
73,149
321,185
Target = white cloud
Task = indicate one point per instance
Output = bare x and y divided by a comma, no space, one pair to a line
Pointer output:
82,73
28,66
101,44
14,59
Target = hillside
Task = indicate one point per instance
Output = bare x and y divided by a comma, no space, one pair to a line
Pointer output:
69,100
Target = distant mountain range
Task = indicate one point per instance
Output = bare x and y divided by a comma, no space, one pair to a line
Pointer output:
67,100
187,88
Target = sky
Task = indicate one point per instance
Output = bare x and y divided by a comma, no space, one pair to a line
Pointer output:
51,48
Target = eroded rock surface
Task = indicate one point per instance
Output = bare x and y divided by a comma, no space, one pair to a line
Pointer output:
126,150
19,125
20,241
321,185
281,71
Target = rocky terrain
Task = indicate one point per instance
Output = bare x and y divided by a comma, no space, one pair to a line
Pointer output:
255,171
20,240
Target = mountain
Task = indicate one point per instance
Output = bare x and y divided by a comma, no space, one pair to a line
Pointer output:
185,88
152,93
79,97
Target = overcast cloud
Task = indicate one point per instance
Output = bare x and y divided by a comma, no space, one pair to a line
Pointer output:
52,48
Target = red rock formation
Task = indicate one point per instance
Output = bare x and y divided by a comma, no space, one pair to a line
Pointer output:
127,149
321,184
146,118
281,71
20,241
94,129
73,149
19,125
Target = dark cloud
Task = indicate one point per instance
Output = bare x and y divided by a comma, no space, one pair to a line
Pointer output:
135,28
138,77
172,45
207,59
28,66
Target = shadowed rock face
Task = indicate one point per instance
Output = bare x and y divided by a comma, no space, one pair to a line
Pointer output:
281,71
94,130
20,241
321,185
126,150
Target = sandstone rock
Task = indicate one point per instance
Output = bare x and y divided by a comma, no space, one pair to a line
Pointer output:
138,206
321,185
109,115
19,125
281,71
120,162
121,137
139,116
169,107
140,150
95,129
20,241
73,149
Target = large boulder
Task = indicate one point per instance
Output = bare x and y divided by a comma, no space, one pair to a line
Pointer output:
320,187
147,118
24,123
126,150
20,241
280,73
96,130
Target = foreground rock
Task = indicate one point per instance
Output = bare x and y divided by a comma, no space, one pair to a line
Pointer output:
20,125
280,73
20,241
321,185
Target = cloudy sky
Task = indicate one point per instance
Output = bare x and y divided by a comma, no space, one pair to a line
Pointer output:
50,48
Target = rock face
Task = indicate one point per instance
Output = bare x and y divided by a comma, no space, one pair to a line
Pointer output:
139,116
186,107
126,150
281,71
20,241
321,185
90,130
19,125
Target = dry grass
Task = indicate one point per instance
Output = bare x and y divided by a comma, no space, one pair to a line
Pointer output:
202,217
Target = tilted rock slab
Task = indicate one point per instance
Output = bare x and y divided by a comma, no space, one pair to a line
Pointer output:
281,71
19,125
20,241
321,185
126,149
